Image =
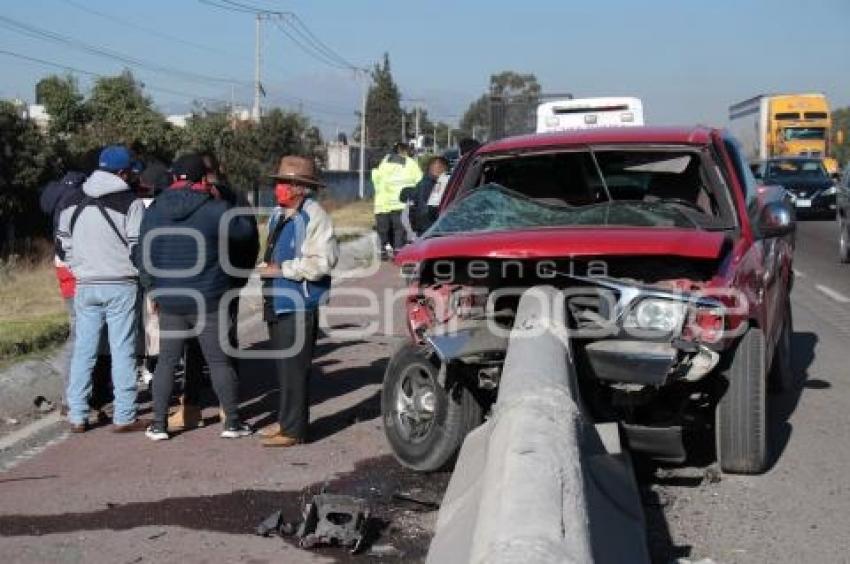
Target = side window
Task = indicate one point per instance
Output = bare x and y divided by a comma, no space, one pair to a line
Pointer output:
742,170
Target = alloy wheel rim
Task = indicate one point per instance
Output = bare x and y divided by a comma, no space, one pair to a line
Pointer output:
415,403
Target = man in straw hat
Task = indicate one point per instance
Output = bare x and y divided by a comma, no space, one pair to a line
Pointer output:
300,253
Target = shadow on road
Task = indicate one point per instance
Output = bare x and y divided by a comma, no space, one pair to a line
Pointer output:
700,469
259,388
378,480
781,406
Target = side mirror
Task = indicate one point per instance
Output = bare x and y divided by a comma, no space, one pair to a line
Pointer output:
836,176
776,220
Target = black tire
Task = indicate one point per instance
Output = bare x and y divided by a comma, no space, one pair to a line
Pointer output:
843,240
782,375
455,411
741,416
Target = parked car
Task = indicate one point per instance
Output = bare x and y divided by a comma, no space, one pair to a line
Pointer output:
812,189
842,204
676,268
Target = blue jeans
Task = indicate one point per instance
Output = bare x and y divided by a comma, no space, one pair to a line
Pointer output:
115,305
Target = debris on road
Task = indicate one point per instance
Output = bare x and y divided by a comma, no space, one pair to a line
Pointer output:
270,524
423,504
43,404
334,520
330,519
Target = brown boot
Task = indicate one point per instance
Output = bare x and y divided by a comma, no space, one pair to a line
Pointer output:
269,431
281,441
186,416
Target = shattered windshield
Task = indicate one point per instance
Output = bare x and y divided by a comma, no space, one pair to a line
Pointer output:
635,187
495,208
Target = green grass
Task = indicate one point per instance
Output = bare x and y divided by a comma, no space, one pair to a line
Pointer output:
32,313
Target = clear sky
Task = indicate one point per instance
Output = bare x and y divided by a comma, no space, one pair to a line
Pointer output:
687,59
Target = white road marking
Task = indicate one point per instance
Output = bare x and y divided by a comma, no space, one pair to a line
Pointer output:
28,431
799,273
837,296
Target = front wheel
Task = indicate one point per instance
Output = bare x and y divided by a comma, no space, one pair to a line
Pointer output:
741,417
425,423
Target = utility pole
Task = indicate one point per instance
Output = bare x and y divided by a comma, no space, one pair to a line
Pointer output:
255,114
435,139
362,186
403,127
417,124
448,136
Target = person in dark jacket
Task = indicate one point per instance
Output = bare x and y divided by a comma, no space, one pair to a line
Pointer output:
242,257
429,192
183,268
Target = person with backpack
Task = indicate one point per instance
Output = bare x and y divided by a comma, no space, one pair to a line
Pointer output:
183,269
55,197
98,233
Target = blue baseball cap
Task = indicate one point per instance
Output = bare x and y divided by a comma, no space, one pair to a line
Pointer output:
114,158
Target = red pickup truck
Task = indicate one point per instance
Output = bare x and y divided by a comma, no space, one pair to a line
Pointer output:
675,267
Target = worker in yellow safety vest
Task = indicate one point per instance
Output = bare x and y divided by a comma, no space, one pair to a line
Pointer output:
396,171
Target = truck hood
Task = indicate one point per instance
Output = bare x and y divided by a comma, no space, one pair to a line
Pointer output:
567,242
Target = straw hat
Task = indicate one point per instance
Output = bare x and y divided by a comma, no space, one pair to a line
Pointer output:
298,170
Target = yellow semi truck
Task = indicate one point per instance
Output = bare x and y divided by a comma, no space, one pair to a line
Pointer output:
780,125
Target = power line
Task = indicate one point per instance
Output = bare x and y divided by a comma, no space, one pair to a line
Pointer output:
39,33
309,42
186,95
316,41
151,31
310,51
99,75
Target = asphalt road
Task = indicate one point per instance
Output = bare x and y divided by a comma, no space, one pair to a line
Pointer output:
799,511
102,497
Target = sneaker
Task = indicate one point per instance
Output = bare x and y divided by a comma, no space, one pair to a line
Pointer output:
157,432
236,431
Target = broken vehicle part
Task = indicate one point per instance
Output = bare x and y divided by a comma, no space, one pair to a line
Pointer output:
637,362
332,519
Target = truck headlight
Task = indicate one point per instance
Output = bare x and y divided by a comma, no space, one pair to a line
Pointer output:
652,314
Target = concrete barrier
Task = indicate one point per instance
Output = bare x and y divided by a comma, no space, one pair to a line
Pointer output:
538,483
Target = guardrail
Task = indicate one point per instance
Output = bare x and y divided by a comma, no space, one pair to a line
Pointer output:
538,483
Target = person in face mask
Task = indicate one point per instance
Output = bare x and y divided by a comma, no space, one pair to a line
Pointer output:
300,253
184,272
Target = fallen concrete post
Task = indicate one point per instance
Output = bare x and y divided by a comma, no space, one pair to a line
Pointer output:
521,491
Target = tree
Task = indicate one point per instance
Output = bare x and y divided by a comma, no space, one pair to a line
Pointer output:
63,102
248,151
515,96
476,117
121,113
26,163
841,123
383,108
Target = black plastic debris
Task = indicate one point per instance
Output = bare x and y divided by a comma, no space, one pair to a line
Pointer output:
332,519
43,404
270,525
